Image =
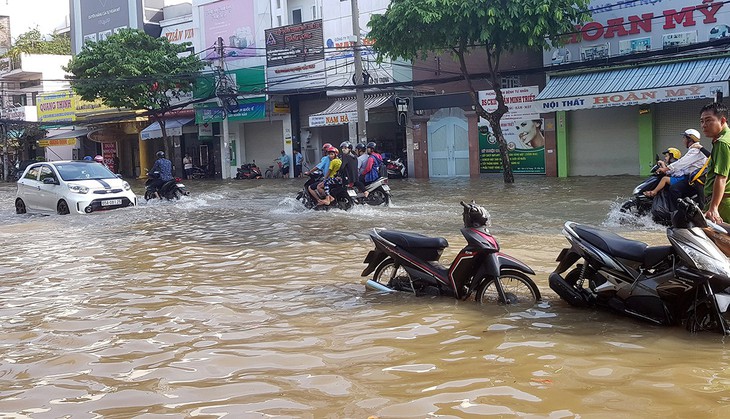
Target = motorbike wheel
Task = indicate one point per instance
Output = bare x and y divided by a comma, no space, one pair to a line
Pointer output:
345,203
269,174
377,197
176,194
703,317
521,293
628,206
392,276
148,195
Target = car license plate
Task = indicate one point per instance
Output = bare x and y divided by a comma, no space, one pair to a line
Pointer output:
180,185
386,187
109,202
352,193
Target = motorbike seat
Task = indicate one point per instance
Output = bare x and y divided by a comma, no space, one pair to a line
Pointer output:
612,243
413,240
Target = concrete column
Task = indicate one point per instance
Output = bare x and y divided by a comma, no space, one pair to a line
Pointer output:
561,140
646,140
473,134
420,147
144,163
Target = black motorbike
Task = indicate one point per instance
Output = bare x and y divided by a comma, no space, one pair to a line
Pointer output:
344,196
403,261
378,193
660,206
686,282
172,189
248,171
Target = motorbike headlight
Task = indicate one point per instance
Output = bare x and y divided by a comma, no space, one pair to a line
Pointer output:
126,186
73,187
706,263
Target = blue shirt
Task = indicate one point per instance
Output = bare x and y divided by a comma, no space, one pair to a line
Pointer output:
284,159
298,159
324,165
163,166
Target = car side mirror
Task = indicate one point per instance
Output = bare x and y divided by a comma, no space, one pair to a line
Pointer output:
50,181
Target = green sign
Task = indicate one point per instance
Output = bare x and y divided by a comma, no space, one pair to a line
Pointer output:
525,142
248,110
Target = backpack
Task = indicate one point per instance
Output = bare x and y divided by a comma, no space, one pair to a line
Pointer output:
374,173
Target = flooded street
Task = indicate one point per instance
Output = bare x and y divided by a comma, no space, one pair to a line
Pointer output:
238,302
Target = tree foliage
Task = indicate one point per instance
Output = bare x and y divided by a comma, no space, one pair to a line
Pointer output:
133,70
414,28
32,42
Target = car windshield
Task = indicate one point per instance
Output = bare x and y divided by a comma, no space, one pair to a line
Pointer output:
82,170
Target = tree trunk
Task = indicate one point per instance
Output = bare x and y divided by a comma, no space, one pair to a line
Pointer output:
503,153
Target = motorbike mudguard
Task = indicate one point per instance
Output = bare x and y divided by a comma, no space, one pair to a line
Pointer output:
373,259
566,259
508,262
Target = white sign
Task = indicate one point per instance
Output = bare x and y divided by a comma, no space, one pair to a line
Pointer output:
634,97
332,119
520,102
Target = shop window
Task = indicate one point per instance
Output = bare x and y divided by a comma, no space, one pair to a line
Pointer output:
296,16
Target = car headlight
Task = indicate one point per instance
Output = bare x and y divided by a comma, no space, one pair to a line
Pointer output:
706,263
126,186
77,188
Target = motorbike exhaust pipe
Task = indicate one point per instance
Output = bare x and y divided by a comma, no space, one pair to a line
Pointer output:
377,286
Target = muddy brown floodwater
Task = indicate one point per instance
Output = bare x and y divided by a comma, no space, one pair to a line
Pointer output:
237,302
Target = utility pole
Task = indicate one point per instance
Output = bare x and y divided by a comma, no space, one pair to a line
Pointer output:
223,86
359,93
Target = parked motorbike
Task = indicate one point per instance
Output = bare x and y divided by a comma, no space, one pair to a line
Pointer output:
683,283
660,206
403,261
172,189
248,171
344,196
396,168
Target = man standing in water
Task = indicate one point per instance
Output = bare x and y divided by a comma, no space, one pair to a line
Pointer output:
713,118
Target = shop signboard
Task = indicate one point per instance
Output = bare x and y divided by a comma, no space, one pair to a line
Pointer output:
332,119
522,128
56,107
248,110
634,97
295,56
56,142
232,20
339,42
108,151
622,27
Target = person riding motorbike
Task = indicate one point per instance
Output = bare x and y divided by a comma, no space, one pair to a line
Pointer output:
162,166
321,192
348,169
371,170
679,170
322,166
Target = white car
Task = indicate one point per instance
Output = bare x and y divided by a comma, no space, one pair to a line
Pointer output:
66,187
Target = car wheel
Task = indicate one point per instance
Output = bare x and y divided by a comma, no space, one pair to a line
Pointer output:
20,206
62,208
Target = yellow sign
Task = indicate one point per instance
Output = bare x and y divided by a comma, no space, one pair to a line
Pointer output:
51,143
56,106
280,107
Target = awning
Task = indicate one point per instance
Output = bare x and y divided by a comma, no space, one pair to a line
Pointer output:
344,111
67,135
172,127
668,82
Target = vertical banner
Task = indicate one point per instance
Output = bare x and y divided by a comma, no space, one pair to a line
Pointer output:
108,151
523,130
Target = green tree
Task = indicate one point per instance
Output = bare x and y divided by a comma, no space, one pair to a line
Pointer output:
133,70
32,42
413,28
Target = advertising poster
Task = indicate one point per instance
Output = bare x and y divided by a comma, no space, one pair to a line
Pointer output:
108,151
232,20
621,27
295,56
523,130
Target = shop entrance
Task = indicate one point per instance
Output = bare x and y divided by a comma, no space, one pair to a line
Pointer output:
448,144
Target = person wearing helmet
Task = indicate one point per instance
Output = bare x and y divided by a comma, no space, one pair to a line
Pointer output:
362,158
324,163
162,166
88,158
678,168
371,170
321,192
348,169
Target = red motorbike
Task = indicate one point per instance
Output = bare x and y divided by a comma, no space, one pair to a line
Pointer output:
403,261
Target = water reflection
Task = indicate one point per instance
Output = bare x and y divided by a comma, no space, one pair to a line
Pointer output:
237,301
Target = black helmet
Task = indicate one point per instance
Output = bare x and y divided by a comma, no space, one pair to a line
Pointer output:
160,154
371,145
346,144
475,215
360,146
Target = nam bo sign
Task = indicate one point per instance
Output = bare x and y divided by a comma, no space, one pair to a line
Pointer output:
634,97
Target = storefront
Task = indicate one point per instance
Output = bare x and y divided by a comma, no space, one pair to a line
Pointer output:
614,122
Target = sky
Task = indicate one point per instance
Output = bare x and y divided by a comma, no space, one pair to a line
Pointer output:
27,14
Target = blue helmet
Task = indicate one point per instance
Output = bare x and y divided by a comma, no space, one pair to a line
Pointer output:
88,158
